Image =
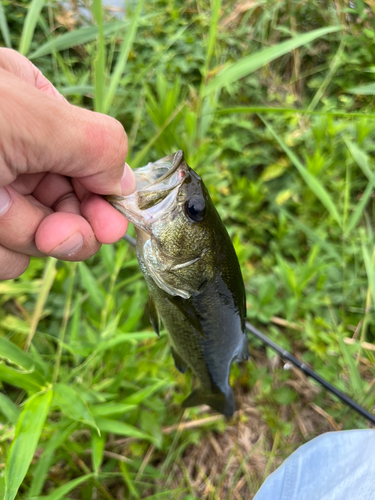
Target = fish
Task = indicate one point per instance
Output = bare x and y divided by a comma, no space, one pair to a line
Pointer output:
193,276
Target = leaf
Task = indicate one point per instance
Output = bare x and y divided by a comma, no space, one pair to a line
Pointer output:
370,270
28,29
71,403
30,382
99,63
60,492
117,427
106,409
125,337
126,45
97,447
139,396
4,29
44,462
360,158
74,38
14,288
12,353
27,433
9,409
357,384
249,64
90,285
368,89
312,182
362,161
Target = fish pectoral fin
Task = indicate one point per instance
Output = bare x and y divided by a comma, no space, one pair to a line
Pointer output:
178,361
189,311
223,403
153,315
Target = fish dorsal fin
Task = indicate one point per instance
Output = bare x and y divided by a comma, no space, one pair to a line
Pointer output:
189,311
153,315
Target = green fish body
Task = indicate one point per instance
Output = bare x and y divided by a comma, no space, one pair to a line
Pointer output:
192,273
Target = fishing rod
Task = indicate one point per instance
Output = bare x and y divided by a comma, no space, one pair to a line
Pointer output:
299,364
310,372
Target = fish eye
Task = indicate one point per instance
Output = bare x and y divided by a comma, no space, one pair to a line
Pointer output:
195,209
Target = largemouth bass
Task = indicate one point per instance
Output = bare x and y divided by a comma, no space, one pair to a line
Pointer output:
192,273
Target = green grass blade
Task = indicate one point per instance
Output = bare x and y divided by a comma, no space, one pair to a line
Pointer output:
99,64
4,29
249,64
44,463
30,382
357,384
63,490
12,353
312,182
368,89
329,248
211,41
32,17
139,158
359,209
369,270
28,430
49,275
123,57
74,38
97,447
117,427
138,397
14,288
107,409
334,66
90,284
124,337
360,158
9,409
268,109
363,162
73,405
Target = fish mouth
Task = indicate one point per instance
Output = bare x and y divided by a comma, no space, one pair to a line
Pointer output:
157,188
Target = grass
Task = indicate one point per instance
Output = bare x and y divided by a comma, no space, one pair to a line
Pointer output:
280,124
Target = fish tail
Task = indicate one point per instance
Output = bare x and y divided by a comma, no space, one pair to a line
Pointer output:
219,401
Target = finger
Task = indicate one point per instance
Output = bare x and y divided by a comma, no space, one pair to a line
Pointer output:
89,146
26,183
20,66
56,191
108,224
12,264
67,237
19,220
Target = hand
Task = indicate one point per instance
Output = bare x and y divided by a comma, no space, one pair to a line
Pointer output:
54,157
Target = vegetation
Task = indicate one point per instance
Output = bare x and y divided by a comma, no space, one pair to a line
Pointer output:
272,102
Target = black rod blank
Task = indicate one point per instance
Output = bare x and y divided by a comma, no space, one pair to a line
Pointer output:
310,373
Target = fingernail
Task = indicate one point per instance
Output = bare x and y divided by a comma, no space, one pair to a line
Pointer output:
4,201
128,182
69,246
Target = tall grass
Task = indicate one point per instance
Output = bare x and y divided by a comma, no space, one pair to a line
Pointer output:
90,397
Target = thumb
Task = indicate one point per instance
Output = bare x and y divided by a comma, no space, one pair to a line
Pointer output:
40,133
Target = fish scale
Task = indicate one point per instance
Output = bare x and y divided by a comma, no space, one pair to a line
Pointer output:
192,274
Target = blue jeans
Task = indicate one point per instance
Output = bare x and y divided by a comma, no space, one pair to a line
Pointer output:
333,466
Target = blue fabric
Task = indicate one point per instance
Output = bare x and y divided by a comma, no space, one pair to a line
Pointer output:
333,466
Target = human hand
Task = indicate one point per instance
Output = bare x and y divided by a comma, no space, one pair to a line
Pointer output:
54,157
